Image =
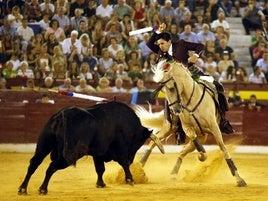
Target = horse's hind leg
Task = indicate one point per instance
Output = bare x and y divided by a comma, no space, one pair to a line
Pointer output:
240,181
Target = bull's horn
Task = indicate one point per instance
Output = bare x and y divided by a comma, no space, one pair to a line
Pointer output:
158,143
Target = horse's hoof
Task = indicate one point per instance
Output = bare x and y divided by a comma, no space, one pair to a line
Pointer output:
42,191
241,183
173,177
130,182
202,156
22,191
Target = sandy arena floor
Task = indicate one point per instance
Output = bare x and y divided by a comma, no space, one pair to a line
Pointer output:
207,181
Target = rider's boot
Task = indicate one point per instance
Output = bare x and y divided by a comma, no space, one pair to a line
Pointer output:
180,134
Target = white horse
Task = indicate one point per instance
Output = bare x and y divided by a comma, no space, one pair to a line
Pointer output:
194,105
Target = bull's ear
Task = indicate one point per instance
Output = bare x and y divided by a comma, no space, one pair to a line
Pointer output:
158,143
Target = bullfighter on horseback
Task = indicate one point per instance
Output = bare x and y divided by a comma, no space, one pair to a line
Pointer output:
186,53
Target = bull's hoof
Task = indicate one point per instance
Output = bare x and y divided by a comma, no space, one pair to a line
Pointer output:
100,185
130,182
42,191
241,183
22,191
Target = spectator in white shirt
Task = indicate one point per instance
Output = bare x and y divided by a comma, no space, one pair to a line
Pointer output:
257,77
25,34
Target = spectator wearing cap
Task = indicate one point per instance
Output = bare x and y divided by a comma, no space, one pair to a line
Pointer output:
205,34
225,62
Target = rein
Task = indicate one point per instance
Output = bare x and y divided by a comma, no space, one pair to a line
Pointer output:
178,101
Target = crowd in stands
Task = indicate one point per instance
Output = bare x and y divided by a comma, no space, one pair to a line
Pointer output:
89,39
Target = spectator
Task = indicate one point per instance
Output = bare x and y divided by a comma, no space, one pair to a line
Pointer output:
51,43
209,61
36,43
72,48
85,71
199,23
224,47
59,63
166,11
8,71
98,33
145,50
257,76
33,11
122,8
29,86
7,48
104,85
210,70
56,30
91,60
228,75
15,17
3,84
174,32
48,84
138,86
263,63
257,52
75,20
139,15
219,35
253,17
45,99
111,72
24,70
132,45
152,10
121,73
84,88
85,43
63,19
180,11
47,7
90,13
187,20
6,28
83,29
25,34
255,39
205,34
44,57
118,87
73,71
67,85
121,59
212,8
253,103
44,23
64,4
188,35
241,75
127,21
114,47
134,60
135,73
112,32
225,62
221,21
78,4
226,6
104,11
104,62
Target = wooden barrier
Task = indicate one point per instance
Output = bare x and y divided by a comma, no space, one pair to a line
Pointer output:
22,123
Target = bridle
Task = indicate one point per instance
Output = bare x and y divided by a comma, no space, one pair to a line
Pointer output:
181,106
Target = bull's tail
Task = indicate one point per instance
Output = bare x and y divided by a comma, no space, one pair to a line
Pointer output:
152,121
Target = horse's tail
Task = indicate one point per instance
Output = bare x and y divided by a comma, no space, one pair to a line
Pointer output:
152,121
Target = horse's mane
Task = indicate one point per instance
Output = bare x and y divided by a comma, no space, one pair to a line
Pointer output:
164,66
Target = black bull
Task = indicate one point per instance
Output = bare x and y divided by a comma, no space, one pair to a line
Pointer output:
106,131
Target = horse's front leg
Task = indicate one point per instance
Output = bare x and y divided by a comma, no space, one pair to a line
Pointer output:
162,134
188,148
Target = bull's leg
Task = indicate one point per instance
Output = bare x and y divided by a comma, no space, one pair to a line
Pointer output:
100,168
128,175
218,137
35,161
55,165
43,148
